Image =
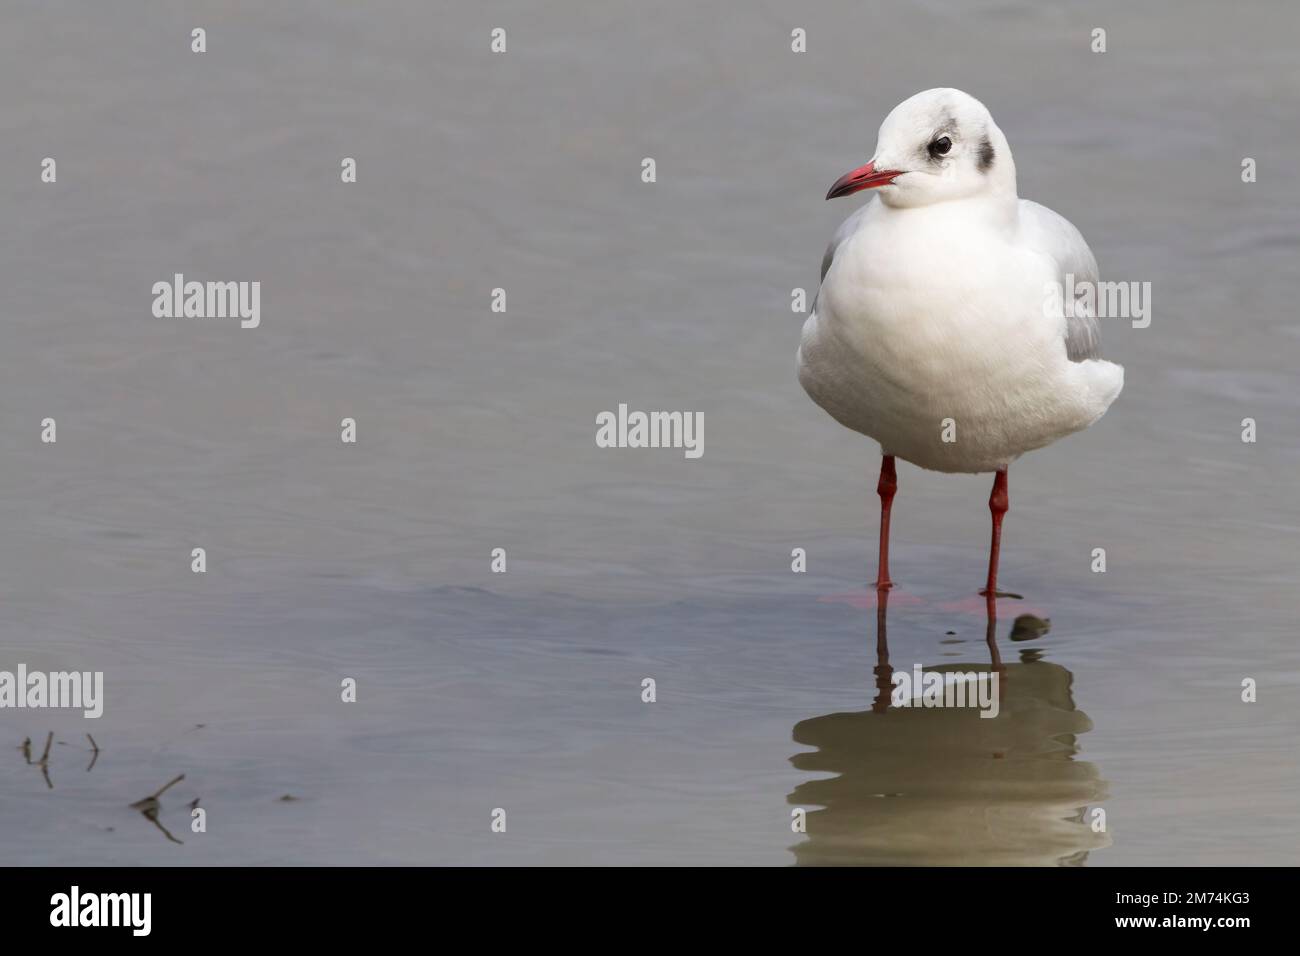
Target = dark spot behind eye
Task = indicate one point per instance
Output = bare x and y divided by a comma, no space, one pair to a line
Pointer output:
984,156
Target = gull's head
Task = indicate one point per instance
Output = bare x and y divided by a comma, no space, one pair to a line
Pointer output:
935,146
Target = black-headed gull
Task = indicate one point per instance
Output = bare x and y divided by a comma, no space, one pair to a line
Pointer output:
933,331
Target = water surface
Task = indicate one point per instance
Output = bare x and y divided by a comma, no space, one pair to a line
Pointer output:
522,690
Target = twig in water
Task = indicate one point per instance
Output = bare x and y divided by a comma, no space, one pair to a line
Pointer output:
169,784
44,762
150,806
150,803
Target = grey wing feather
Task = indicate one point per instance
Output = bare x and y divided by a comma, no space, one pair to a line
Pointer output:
1054,235
847,228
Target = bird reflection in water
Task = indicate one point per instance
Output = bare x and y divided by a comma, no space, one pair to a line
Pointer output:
943,786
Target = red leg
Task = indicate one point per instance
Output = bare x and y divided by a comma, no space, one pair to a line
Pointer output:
998,505
885,488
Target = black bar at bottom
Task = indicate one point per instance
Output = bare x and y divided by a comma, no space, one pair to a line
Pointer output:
330,906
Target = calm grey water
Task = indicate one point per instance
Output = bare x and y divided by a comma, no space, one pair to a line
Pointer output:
522,690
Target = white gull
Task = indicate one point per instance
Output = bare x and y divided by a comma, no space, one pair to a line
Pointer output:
933,331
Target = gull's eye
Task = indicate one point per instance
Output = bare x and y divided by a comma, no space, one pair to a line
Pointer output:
940,146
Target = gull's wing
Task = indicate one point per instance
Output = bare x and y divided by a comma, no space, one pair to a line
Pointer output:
1055,236
847,228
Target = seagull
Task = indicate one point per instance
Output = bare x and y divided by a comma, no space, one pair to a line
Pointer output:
935,330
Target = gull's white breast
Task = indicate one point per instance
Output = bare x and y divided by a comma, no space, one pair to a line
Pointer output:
931,324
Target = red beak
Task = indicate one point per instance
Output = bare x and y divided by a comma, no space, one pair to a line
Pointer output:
864,177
